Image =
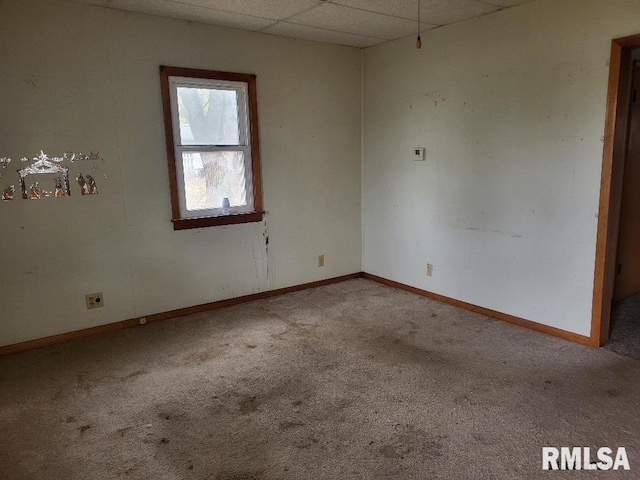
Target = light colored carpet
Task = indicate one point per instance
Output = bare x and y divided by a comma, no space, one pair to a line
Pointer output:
349,381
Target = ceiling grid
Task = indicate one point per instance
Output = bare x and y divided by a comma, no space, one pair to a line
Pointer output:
356,23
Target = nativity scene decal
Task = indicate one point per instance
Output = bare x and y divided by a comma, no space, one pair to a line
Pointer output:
58,185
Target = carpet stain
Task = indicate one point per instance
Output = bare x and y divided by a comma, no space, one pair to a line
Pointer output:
200,357
248,405
410,441
133,375
82,383
236,476
448,341
281,334
307,443
58,395
390,347
388,451
288,425
466,400
483,439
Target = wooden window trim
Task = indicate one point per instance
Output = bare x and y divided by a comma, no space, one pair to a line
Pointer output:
180,223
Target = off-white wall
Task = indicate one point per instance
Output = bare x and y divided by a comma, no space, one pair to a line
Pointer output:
510,108
77,77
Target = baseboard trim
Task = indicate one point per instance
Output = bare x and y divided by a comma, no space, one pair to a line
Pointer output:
181,312
556,332
157,317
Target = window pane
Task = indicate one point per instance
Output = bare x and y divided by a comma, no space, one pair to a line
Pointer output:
209,177
208,116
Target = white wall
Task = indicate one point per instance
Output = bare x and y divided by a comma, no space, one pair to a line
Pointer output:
77,77
511,109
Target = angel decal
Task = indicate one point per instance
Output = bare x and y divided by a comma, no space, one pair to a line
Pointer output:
8,192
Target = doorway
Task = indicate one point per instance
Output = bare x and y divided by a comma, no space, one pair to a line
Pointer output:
625,312
617,266
627,281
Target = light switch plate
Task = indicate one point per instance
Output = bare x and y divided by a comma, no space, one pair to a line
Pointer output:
418,154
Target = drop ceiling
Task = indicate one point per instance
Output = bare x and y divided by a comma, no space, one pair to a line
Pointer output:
357,23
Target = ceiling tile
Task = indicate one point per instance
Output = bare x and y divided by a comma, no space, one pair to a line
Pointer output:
274,9
321,35
166,8
439,12
359,22
444,12
92,2
507,3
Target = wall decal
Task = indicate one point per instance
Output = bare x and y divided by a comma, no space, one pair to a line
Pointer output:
43,164
88,185
34,191
8,192
60,191
4,163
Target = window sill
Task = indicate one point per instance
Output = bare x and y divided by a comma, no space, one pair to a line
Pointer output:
187,223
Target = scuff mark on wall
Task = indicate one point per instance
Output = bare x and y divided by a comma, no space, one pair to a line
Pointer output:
511,234
255,265
265,237
32,81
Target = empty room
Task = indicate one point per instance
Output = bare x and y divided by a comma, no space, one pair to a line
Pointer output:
319,239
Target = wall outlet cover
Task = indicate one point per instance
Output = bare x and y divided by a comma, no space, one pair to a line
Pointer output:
94,300
418,154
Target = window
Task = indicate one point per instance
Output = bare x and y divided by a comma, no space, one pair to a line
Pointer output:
211,129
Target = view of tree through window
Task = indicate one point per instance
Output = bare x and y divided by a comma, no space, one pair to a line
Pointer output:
210,177
210,117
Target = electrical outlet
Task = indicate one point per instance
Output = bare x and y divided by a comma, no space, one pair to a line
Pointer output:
429,270
94,300
320,260
418,154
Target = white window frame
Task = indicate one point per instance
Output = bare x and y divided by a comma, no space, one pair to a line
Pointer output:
244,144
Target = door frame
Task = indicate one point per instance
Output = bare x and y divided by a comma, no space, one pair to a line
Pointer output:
615,141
